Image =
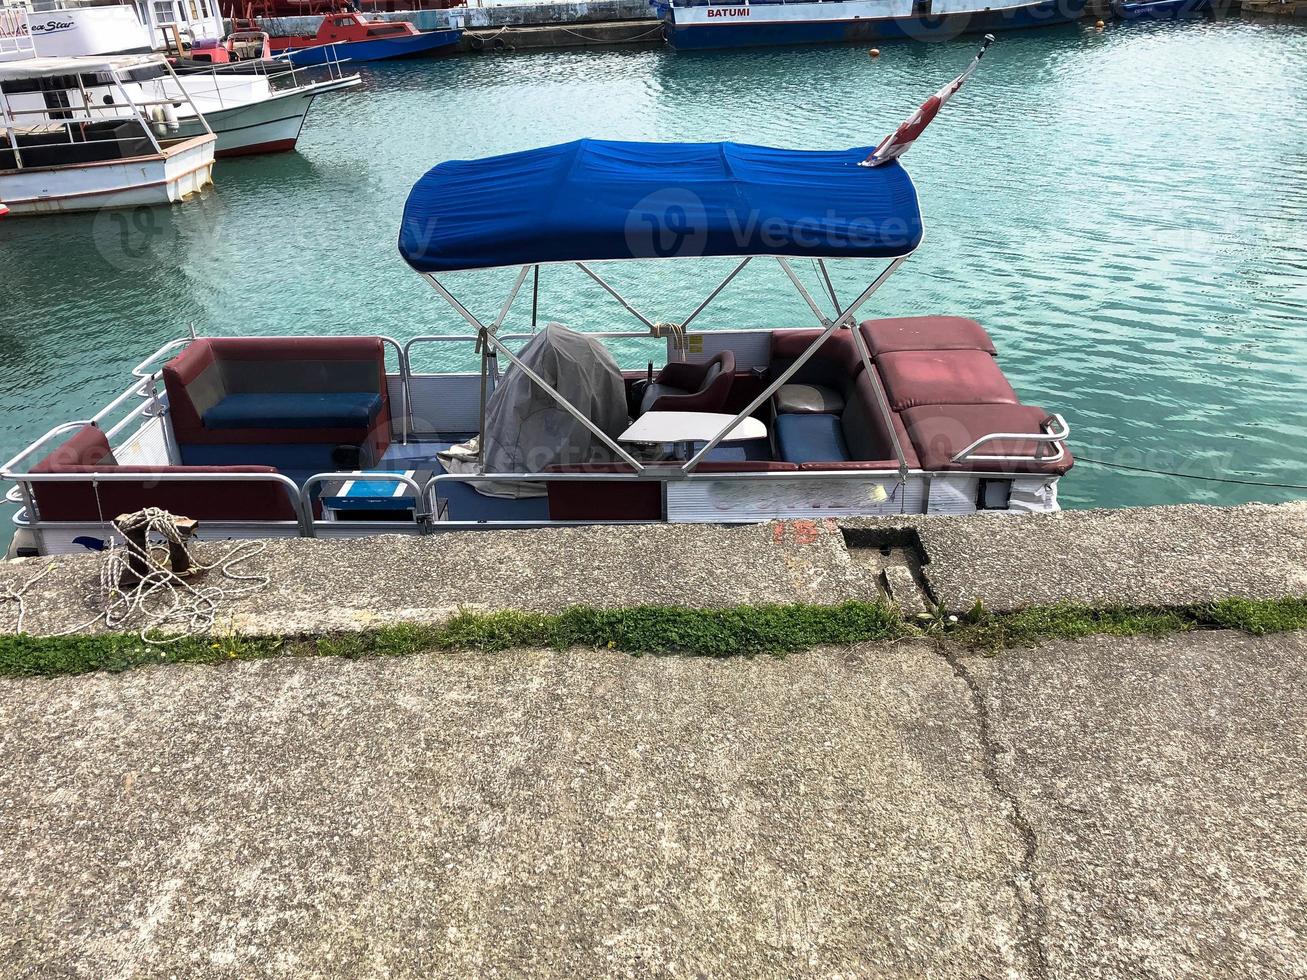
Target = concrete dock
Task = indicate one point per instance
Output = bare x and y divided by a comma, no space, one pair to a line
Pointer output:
1108,808
1150,556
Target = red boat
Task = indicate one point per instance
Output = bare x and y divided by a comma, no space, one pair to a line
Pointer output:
347,36
248,10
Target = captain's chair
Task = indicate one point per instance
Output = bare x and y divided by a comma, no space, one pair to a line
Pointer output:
683,387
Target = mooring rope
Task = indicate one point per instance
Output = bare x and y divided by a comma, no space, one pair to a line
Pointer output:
164,599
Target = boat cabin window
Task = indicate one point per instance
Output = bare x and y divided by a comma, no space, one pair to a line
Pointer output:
344,21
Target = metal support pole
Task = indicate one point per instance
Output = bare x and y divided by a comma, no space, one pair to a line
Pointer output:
713,295
617,296
9,130
535,298
830,286
803,291
882,401
549,389
136,111
801,360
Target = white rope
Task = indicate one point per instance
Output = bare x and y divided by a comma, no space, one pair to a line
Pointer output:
163,599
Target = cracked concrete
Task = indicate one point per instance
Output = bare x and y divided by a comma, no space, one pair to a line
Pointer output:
1140,556
1108,808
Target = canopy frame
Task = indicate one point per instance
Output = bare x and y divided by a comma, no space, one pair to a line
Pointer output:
489,345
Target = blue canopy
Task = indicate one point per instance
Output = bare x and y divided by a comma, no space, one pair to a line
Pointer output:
594,199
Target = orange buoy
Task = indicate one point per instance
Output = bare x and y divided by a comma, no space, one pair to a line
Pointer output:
874,52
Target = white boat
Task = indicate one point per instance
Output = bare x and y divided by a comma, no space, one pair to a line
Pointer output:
73,28
61,151
252,107
256,113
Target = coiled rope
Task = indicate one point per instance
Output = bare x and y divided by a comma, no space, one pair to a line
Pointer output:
166,601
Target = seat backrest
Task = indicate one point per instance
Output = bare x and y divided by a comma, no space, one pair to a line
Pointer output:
866,433
88,451
209,369
834,365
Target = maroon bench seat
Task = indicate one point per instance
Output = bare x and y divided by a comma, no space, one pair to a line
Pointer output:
925,333
88,451
940,432
943,377
230,392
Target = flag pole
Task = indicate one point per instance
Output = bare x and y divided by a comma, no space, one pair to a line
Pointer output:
897,143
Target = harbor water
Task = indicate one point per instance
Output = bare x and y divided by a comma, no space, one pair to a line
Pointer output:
1125,210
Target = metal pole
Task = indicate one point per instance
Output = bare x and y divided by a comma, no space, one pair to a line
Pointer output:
617,296
136,111
803,291
713,295
830,286
535,297
517,361
882,401
512,295
9,129
191,102
802,359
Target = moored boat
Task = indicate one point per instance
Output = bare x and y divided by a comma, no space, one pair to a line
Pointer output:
1161,9
338,436
347,36
61,151
703,24
260,108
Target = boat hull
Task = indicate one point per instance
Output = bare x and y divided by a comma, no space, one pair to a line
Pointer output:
762,24
272,125
1162,10
181,171
376,49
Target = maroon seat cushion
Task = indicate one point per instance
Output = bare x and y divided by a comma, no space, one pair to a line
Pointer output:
925,333
940,432
943,377
85,447
87,451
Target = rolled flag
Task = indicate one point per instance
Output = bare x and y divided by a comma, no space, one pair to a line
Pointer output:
896,144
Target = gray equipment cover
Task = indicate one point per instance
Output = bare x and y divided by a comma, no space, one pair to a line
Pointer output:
527,430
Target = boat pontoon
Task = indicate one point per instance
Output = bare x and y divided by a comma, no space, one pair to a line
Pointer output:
268,436
62,150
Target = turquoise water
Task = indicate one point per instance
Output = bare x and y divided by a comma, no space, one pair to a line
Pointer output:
1125,210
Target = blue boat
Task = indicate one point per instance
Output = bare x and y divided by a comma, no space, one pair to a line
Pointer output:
347,36
1162,9
703,24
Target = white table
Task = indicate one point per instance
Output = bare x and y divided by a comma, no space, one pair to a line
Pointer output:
690,427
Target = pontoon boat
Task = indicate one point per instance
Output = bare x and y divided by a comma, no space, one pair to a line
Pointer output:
274,436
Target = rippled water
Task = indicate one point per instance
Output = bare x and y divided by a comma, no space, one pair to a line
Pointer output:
1125,210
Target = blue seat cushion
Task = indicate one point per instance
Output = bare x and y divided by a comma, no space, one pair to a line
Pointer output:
810,438
308,410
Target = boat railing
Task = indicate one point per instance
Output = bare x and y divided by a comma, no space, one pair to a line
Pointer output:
279,76
1051,437
654,473
306,492
15,33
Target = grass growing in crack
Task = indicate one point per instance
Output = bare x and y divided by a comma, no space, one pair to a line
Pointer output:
1064,621
1257,616
774,629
